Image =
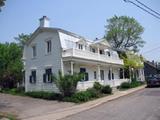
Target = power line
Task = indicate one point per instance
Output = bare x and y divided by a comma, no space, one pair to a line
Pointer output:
148,7
143,9
151,50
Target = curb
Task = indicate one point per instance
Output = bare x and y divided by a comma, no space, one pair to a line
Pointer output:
62,113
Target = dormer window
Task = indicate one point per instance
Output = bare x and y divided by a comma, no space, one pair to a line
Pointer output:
80,46
49,46
101,51
34,51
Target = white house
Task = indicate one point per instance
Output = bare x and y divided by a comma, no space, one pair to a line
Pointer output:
53,49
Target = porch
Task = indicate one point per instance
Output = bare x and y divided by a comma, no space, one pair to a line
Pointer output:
105,74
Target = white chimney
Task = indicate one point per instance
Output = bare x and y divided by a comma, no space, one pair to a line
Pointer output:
44,21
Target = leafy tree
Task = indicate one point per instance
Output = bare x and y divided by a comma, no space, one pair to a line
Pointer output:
22,39
2,3
67,83
133,62
124,33
10,65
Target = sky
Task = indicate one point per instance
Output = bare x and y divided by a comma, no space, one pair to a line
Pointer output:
84,17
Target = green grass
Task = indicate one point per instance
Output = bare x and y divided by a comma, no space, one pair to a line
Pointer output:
9,116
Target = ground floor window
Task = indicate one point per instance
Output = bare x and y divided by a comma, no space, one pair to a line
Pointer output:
102,74
47,76
32,77
95,75
86,76
109,75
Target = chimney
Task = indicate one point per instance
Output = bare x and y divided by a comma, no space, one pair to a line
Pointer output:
44,21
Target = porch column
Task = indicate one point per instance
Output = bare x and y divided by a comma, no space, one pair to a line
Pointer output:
123,73
98,71
72,67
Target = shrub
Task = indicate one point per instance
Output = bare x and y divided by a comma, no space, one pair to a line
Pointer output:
79,97
44,95
106,89
83,96
93,93
67,84
125,85
97,86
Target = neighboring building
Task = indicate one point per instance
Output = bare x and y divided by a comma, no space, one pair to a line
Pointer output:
52,49
151,69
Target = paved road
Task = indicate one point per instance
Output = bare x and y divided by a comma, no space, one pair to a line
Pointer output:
142,105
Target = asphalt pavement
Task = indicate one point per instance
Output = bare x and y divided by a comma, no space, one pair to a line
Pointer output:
141,105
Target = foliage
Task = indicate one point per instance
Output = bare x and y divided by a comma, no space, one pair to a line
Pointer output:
124,33
2,3
106,89
97,86
7,116
22,39
67,83
125,85
44,95
83,96
10,65
133,61
133,84
89,94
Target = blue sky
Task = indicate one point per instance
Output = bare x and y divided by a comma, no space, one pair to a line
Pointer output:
84,17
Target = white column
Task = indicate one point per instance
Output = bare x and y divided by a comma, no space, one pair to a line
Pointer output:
98,71
123,73
72,67
62,67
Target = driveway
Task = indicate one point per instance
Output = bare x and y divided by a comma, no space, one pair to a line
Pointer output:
26,107
141,105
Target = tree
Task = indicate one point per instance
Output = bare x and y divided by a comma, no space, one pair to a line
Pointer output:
133,62
67,83
22,39
10,65
124,33
2,3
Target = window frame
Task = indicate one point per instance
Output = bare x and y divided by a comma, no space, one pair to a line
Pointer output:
48,46
34,51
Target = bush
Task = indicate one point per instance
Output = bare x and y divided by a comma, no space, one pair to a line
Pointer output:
125,85
79,97
83,96
67,84
106,89
93,93
97,86
44,95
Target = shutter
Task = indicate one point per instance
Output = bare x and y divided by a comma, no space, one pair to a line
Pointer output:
30,78
86,76
44,78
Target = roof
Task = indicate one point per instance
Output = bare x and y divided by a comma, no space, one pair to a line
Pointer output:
41,29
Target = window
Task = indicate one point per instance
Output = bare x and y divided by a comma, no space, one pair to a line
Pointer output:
49,46
80,46
32,77
109,75
47,77
101,51
95,75
86,77
34,52
102,74
112,75
108,53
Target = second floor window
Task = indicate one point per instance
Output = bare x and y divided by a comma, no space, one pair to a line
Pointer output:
49,46
34,51
80,46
